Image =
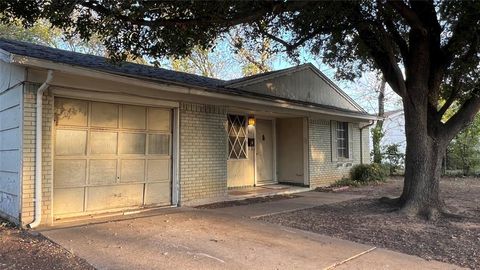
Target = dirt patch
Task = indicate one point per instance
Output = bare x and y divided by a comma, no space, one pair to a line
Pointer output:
20,249
248,201
366,220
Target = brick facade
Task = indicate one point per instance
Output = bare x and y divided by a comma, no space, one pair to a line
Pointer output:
28,175
203,153
323,170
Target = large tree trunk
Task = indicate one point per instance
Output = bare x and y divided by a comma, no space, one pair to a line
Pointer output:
423,165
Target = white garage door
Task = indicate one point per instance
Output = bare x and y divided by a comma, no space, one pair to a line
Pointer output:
110,156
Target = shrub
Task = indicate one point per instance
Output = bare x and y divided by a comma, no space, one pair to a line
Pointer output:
365,173
394,158
346,182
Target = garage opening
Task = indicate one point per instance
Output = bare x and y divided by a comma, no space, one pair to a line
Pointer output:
110,156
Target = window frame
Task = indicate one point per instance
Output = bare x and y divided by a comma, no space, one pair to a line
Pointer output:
242,121
342,142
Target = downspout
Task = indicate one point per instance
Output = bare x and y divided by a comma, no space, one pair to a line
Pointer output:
38,151
361,139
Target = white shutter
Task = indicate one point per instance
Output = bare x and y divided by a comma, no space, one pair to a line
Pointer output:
350,141
333,140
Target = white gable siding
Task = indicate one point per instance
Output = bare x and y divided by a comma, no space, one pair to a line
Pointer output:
11,90
394,128
302,85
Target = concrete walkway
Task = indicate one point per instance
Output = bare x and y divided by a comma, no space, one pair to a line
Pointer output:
261,191
306,200
182,238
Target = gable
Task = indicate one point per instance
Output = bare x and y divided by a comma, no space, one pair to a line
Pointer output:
304,84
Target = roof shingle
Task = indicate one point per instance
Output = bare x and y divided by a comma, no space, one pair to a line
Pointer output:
103,64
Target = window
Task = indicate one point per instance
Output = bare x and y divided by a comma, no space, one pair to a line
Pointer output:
342,139
237,137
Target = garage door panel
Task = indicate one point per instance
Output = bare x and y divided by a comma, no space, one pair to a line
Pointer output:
71,112
132,143
102,171
158,193
109,197
132,170
134,117
159,119
70,142
159,144
103,143
110,156
104,115
158,170
67,201
69,173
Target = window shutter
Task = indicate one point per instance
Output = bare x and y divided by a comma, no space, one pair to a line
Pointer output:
333,140
350,141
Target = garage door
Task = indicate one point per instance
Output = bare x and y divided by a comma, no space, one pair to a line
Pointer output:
110,156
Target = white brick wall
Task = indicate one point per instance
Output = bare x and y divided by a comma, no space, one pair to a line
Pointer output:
28,177
324,171
203,153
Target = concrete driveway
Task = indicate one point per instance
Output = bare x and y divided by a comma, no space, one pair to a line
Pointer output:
207,239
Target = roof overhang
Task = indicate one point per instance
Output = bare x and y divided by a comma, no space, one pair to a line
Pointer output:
224,93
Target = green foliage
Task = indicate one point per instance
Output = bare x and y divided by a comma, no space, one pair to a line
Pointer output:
200,61
393,158
377,135
463,152
218,62
255,55
347,182
367,173
40,33
43,33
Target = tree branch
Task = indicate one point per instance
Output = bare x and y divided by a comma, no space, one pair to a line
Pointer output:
447,104
399,40
463,117
408,14
292,46
383,54
245,16
286,44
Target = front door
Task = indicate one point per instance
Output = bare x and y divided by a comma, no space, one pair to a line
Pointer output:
264,152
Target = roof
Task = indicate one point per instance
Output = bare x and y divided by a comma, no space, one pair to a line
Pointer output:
158,74
257,76
103,64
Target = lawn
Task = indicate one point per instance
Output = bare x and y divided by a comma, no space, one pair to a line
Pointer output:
20,249
366,220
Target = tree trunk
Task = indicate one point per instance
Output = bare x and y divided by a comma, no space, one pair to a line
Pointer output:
423,166
377,131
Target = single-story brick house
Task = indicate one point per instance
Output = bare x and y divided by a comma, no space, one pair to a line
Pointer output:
113,137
